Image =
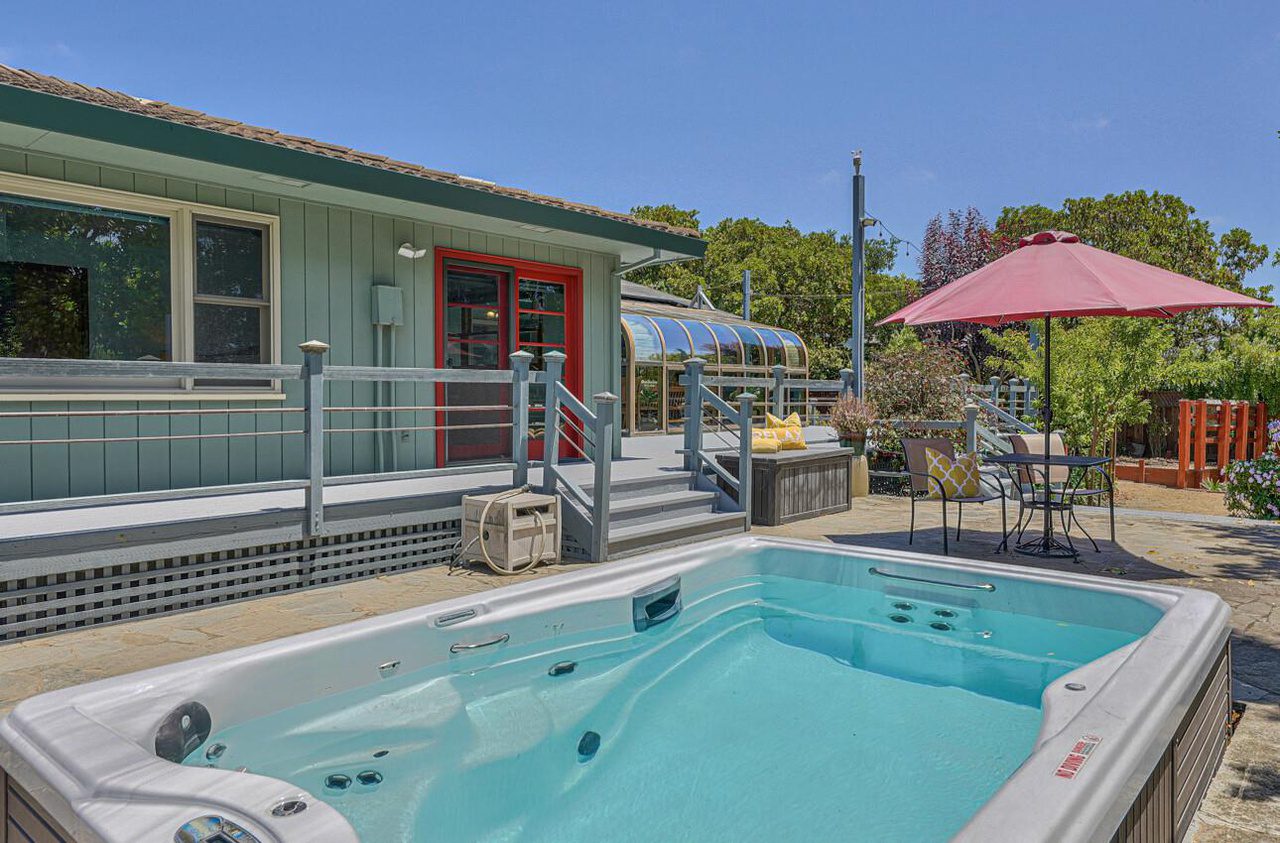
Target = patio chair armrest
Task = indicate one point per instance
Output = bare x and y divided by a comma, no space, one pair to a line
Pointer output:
942,490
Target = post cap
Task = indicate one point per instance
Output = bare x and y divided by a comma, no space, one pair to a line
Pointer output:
846,371
778,367
745,396
554,355
313,347
521,355
694,361
604,398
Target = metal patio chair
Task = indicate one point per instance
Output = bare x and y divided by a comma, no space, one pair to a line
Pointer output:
1058,484
923,482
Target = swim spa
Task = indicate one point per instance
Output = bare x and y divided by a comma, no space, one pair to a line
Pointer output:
748,689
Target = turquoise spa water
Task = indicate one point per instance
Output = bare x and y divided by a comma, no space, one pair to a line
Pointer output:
774,709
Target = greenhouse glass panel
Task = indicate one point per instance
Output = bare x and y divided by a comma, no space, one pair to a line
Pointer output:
675,339
751,345
730,345
794,349
648,345
704,342
773,343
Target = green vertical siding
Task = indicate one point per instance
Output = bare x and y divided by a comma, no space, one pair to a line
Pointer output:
329,259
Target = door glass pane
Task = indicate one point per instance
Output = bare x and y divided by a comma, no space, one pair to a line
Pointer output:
472,287
539,327
541,295
228,334
470,355
477,323
229,260
82,282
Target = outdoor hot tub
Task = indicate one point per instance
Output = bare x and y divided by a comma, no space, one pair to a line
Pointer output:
744,689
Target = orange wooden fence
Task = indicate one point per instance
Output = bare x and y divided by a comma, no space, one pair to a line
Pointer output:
1230,430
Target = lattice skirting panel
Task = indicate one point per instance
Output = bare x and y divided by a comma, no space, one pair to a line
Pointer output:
57,602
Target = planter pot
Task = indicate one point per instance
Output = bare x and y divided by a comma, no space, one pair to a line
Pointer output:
858,444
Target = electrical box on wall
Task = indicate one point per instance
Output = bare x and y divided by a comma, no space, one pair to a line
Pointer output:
388,305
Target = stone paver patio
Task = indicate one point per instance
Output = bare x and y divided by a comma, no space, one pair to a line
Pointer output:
1238,560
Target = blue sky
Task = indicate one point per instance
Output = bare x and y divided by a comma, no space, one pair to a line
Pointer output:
739,108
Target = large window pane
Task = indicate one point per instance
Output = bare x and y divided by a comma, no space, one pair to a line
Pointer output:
540,327
473,323
676,340
730,345
541,295
704,344
648,345
229,334
82,282
229,261
464,286
751,345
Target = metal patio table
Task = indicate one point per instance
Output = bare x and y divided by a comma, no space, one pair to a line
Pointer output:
1046,544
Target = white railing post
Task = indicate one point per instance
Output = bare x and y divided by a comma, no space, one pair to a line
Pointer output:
313,381
551,421
602,433
693,411
520,361
744,453
779,391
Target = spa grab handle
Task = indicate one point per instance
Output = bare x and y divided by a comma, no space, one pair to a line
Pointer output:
497,639
981,586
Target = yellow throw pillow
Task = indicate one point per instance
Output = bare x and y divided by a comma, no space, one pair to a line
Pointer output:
765,445
788,432
959,477
772,422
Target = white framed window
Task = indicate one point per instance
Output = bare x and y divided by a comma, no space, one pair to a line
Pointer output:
92,273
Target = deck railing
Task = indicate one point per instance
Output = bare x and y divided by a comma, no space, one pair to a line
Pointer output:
595,429
699,396
313,375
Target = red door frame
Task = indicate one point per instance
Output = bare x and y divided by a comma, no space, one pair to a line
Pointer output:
570,276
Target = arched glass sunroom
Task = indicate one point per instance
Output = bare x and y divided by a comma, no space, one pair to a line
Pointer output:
656,341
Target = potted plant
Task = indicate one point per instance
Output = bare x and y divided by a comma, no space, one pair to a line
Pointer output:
852,418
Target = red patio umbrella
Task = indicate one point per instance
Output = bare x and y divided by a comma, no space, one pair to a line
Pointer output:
1053,274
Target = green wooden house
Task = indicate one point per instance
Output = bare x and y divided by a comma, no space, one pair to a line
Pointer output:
138,230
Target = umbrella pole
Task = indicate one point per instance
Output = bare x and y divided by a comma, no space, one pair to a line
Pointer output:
1046,413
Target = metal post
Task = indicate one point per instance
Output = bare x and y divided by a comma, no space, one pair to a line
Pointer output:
313,378
970,428
551,421
857,338
746,294
520,361
779,391
744,454
693,411
602,432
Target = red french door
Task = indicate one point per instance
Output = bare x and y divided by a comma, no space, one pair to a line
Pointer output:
486,308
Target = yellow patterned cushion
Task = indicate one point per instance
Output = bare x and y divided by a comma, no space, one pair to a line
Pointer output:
787,431
765,445
772,422
959,477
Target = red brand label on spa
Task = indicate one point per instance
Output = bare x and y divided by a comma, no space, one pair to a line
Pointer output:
1079,754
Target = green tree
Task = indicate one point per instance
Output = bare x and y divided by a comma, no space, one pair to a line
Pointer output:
799,280
1101,368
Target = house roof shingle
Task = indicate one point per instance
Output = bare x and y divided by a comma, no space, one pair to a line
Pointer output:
43,83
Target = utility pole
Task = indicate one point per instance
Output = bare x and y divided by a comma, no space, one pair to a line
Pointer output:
857,338
746,294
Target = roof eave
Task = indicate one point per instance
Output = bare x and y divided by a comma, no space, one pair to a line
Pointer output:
110,125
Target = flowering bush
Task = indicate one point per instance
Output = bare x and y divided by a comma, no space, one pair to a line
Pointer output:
852,417
1253,486
911,384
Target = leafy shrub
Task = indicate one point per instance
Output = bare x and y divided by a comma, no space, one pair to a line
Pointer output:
1253,486
914,384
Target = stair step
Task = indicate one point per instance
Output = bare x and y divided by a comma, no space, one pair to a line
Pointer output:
666,505
631,487
630,540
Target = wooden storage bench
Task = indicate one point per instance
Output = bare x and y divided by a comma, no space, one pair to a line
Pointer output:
792,485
